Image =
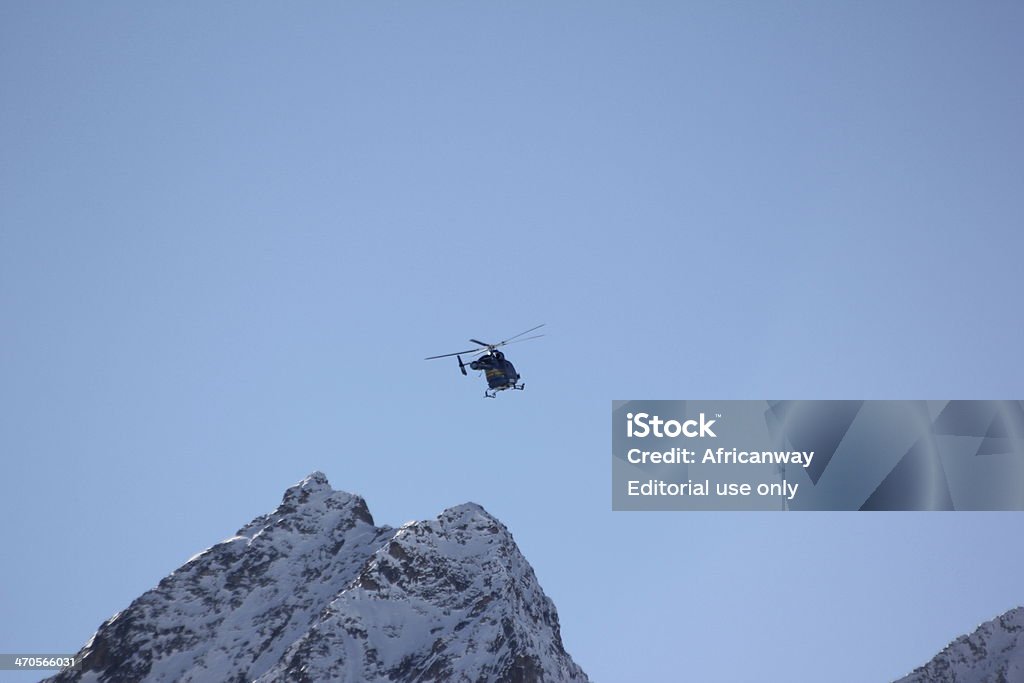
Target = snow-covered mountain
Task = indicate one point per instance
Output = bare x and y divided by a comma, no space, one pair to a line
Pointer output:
994,653
315,591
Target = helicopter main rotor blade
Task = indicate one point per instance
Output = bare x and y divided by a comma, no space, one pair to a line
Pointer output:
447,355
487,347
505,341
536,336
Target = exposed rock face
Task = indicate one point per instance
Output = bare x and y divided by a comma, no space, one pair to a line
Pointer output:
315,591
993,653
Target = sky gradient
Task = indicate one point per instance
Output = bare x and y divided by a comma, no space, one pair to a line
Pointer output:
229,235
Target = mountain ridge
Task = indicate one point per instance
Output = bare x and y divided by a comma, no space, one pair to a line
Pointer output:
992,653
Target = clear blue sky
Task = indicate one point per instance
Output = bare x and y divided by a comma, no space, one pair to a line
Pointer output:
229,235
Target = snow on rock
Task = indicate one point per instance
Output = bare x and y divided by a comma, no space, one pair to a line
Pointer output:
993,653
314,591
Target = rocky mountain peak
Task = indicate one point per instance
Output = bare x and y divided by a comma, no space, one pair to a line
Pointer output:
314,591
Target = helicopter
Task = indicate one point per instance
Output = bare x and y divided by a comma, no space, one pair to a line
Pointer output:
500,372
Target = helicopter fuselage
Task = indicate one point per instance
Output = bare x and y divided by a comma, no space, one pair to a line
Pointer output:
500,373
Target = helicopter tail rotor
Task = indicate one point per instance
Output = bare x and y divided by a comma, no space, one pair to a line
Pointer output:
462,366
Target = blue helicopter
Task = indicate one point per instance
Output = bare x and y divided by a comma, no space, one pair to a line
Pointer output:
500,372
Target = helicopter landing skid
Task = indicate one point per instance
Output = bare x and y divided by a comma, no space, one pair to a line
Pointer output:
494,394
